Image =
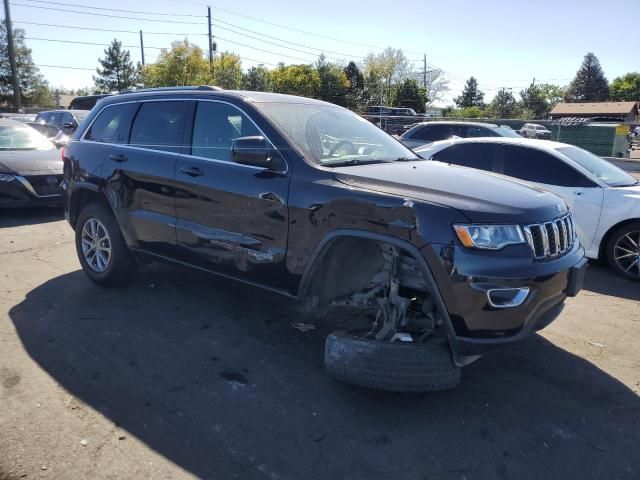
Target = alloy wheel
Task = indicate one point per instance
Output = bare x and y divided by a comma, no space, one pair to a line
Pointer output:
96,245
626,253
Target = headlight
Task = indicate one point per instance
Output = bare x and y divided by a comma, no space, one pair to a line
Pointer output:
489,237
6,178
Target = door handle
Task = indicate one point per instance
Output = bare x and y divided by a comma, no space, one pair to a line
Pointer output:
192,171
118,157
578,192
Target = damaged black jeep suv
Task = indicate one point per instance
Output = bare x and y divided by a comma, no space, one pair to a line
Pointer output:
310,200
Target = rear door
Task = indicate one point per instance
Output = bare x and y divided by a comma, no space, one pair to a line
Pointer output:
231,218
548,172
483,156
140,174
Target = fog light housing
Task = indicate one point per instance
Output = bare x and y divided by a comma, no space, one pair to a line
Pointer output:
507,297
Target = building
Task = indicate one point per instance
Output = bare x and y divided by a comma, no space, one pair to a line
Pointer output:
597,111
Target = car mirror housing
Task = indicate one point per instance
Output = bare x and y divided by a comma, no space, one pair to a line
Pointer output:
252,151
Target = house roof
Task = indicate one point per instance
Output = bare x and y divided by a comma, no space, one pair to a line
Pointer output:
596,108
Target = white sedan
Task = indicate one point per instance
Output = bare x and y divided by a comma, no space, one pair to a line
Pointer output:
604,200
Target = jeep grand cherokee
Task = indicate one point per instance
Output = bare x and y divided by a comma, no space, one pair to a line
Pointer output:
311,201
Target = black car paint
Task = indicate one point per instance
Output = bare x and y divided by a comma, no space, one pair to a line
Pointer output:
267,227
40,169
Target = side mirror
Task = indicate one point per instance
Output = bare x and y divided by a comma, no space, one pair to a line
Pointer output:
251,151
69,125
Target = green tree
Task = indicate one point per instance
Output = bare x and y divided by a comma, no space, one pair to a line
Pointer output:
33,87
257,79
383,70
333,82
184,64
626,88
471,95
466,112
355,90
589,84
227,71
503,105
410,94
534,100
118,73
300,80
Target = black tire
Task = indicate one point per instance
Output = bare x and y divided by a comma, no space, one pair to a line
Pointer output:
632,229
398,366
121,264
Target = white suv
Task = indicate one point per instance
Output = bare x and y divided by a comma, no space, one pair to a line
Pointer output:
533,130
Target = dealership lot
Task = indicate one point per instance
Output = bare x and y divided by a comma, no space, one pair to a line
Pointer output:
180,375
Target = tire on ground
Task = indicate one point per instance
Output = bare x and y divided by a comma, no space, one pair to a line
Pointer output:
397,366
122,263
613,239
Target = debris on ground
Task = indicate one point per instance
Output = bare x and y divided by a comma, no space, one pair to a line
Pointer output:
596,344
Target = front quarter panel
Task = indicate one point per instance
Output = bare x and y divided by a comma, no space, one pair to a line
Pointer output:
620,204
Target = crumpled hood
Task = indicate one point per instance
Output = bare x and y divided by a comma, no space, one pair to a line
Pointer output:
481,196
31,162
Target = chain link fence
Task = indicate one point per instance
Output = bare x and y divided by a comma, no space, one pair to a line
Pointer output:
600,138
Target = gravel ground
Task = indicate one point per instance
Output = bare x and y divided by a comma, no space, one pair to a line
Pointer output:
179,376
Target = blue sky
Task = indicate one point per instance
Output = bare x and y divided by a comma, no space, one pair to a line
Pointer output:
503,44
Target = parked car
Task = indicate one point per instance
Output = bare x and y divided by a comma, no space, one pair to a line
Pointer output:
53,133
533,130
604,200
86,102
30,167
393,120
427,132
65,120
308,200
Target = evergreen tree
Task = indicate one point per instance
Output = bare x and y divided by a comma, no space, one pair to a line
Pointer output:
503,105
355,90
118,72
257,79
589,84
410,94
471,95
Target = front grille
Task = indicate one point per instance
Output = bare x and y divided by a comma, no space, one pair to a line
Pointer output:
45,184
551,239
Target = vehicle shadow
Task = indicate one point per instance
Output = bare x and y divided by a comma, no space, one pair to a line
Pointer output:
212,376
29,216
600,279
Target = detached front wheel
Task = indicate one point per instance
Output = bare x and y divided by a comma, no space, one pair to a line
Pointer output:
392,366
102,251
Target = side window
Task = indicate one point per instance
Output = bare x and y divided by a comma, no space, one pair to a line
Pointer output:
67,118
473,155
473,132
55,118
159,126
432,133
214,128
113,124
537,166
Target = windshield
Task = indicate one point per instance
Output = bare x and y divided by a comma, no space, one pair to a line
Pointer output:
80,116
505,132
23,138
334,136
605,171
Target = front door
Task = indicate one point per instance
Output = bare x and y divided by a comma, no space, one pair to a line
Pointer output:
231,218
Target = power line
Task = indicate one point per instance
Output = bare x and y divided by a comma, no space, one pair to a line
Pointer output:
63,66
106,29
87,43
216,21
116,9
262,49
107,15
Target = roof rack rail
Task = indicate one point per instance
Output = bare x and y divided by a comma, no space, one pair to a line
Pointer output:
169,89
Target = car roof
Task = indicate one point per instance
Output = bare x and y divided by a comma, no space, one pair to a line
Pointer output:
461,122
204,91
547,145
65,111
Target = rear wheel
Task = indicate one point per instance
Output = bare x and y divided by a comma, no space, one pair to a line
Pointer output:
393,366
102,251
623,251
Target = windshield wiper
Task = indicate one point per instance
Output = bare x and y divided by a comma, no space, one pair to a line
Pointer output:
405,159
353,161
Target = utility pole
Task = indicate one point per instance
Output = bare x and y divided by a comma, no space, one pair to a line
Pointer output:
142,47
210,38
424,71
12,57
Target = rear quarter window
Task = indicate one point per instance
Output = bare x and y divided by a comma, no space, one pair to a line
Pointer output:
112,125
